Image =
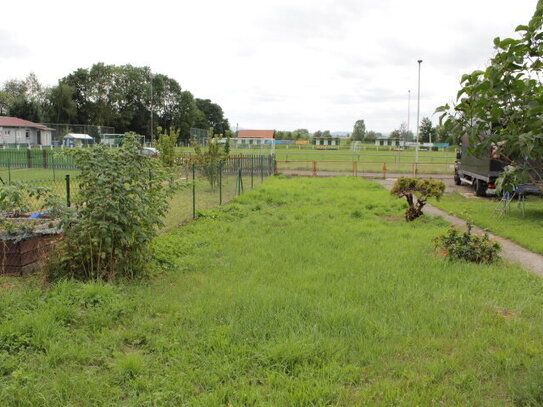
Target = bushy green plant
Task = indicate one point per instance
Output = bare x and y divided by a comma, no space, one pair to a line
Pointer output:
208,161
16,199
417,192
468,246
122,199
166,146
510,178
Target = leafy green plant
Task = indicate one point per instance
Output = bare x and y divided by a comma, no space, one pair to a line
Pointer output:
122,199
468,246
417,192
500,108
510,178
209,161
16,199
166,146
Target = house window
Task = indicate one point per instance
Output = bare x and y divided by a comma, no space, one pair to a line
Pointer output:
27,134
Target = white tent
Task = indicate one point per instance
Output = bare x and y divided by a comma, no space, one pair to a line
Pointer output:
77,140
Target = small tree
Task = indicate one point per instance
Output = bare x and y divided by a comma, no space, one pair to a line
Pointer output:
427,132
417,192
209,160
166,146
359,130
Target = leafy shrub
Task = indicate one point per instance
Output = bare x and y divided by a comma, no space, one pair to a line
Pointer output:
468,246
122,199
166,146
16,199
423,189
209,161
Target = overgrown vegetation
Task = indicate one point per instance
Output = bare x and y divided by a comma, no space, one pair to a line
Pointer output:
315,311
417,191
468,246
208,160
122,199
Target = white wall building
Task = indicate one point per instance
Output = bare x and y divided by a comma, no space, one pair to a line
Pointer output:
16,131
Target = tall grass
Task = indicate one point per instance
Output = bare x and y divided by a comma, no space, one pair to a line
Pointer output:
302,292
523,227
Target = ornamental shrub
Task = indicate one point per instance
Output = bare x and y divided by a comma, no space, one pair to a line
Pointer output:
417,192
122,198
468,246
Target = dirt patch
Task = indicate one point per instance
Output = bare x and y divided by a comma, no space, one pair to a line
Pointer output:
505,313
394,218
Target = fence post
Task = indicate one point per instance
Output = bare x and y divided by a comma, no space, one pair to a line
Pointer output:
220,182
68,201
28,158
53,166
314,168
193,192
252,170
384,170
355,168
44,152
9,170
261,168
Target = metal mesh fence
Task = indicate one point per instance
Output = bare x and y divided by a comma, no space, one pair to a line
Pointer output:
202,186
46,158
207,186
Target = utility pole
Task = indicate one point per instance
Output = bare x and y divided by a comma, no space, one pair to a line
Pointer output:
408,115
152,108
418,115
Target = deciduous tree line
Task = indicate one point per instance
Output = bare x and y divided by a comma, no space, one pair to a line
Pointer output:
123,97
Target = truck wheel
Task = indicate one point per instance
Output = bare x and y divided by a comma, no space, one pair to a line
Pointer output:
457,180
480,187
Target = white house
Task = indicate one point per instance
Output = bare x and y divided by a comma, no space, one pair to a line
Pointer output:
19,131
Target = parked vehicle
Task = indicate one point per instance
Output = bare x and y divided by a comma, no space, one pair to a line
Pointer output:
480,172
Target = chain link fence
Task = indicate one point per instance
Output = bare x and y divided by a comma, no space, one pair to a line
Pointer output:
201,186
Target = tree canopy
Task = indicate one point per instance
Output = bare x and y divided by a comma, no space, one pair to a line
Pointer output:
359,130
123,97
501,107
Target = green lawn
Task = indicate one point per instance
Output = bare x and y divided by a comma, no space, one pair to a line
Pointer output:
206,198
525,229
302,292
35,174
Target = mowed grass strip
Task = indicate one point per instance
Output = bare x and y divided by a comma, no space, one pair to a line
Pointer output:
524,228
302,292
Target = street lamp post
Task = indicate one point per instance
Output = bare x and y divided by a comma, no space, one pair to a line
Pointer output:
152,108
408,116
418,115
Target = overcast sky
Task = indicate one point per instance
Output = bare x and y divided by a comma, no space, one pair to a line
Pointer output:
271,64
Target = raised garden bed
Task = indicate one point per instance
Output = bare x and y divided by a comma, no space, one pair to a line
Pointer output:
25,244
